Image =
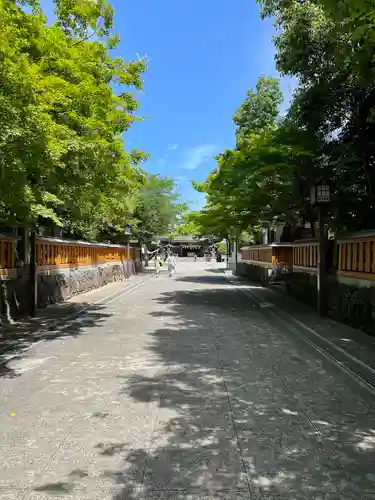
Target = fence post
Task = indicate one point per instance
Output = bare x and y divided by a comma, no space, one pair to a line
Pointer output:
33,274
322,266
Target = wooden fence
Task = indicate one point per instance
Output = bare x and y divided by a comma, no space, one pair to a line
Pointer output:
56,253
261,254
305,256
301,256
268,255
7,254
61,253
355,256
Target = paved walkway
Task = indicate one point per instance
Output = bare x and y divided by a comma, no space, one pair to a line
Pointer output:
354,342
182,389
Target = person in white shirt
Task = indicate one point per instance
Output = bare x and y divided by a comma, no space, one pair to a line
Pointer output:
156,258
157,264
171,261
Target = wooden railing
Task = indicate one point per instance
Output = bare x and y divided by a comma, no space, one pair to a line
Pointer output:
282,253
305,255
56,253
261,254
356,257
7,253
268,255
62,253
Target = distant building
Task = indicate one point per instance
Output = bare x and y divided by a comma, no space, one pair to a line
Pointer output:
183,246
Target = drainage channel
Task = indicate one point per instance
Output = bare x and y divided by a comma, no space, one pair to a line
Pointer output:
354,367
349,363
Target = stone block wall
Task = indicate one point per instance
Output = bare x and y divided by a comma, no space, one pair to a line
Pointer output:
352,301
14,296
58,285
303,287
251,272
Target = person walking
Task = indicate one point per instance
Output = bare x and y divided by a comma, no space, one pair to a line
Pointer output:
154,256
157,264
171,261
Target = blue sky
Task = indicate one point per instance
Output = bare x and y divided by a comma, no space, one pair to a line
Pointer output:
203,56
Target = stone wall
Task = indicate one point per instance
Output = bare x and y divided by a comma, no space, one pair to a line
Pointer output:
251,272
303,287
58,285
350,300
14,296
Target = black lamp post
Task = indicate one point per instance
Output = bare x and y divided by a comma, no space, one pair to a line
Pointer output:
321,197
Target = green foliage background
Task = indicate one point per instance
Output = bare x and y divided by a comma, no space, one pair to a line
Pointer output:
329,128
65,104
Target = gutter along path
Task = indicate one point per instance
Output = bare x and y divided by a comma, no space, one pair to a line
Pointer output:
352,349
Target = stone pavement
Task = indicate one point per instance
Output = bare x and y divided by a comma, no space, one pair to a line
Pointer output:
351,340
182,389
22,334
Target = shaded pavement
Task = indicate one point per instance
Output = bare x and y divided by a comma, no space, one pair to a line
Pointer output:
184,389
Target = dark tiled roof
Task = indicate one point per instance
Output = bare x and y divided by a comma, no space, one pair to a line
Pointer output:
179,239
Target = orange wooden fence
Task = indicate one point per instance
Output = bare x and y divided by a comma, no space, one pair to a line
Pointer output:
268,255
56,253
261,254
300,255
62,253
305,255
7,253
356,257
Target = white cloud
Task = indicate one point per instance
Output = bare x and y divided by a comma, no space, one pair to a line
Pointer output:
163,160
196,156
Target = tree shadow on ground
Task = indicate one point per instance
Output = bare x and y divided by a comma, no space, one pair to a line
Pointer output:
15,339
62,487
243,412
215,270
208,280
360,344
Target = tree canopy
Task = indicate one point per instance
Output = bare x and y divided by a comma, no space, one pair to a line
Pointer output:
259,110
254,182
187,225
329,128
65,103
157,208
329,46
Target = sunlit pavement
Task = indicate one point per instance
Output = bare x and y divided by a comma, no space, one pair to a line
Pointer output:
182,389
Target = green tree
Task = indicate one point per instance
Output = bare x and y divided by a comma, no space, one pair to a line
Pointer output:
260,108
78,18
329,46
157,208
188,225
329,128
255,182
61,122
